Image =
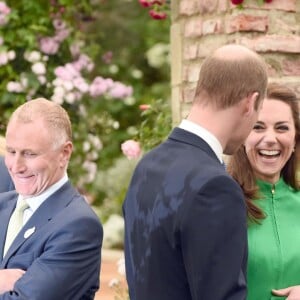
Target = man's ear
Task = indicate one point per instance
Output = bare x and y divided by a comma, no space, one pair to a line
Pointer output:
66,152
252,104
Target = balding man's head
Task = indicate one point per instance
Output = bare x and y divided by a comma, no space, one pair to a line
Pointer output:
229,74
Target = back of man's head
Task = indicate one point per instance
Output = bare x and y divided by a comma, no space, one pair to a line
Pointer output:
228,75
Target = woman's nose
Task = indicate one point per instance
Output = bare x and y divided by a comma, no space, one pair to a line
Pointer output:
270,136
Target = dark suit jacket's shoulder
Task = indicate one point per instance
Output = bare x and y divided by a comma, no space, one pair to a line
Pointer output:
6,197
6,183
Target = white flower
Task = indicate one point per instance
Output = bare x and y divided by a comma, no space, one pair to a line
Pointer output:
121,266
24,81
57,99
113,282
113,69
91,169
86,146
33,56
158,55
11,54
14,87
59,91
38,68
137,74
42,79
3,58
70,98
115,125
68,85
95,141
57,81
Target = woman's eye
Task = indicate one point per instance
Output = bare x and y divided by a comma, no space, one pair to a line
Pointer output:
283,128
257,127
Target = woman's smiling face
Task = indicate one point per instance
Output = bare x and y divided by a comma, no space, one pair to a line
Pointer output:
272,140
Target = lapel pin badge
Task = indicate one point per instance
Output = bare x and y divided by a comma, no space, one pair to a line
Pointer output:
29,232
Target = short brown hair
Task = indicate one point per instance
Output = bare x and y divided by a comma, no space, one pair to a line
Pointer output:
226,81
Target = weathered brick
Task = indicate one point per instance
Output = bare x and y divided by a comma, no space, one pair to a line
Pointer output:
212,26
190,51
208,44
188,94
291,67
188,7
273,43
245,22
272,72
285,25
191,73
193,27
223,5
208,6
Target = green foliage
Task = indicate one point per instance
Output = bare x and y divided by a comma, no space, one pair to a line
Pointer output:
156,124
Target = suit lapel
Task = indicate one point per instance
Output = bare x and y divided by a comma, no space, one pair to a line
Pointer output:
48,209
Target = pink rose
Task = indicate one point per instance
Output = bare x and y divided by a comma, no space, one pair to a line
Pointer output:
144,107
49,45
131,149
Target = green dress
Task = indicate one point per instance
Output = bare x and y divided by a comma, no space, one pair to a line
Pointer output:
274,244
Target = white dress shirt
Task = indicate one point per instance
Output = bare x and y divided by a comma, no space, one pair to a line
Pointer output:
35,201
203,133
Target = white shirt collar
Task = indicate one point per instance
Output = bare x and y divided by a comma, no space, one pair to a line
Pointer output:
35,201
203,133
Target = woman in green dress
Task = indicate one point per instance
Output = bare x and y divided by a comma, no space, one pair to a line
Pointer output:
266,168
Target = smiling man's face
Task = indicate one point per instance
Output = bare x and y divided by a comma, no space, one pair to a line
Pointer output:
33,161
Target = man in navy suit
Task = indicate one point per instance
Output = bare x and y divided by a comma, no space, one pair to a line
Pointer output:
185,217
57,252
6,183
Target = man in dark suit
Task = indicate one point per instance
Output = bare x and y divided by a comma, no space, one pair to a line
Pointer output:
56,254
6,183
185,217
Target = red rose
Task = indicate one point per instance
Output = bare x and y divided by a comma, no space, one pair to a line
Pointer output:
158,2
236,2
145,3
268,1
157,15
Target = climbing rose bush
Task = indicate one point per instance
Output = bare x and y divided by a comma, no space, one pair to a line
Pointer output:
43,53
157,8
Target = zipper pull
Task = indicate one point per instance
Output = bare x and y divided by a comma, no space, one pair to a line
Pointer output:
273,190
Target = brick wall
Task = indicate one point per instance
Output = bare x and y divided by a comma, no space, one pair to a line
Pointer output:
200,26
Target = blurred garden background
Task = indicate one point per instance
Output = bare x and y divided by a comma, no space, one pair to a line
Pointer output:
107,63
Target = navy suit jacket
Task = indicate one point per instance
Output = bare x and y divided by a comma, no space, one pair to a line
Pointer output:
185,225
6,183
59,248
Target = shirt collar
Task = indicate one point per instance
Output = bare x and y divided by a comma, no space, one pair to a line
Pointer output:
203,133
35,201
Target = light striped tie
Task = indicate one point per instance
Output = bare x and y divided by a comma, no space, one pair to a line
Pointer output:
15,223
